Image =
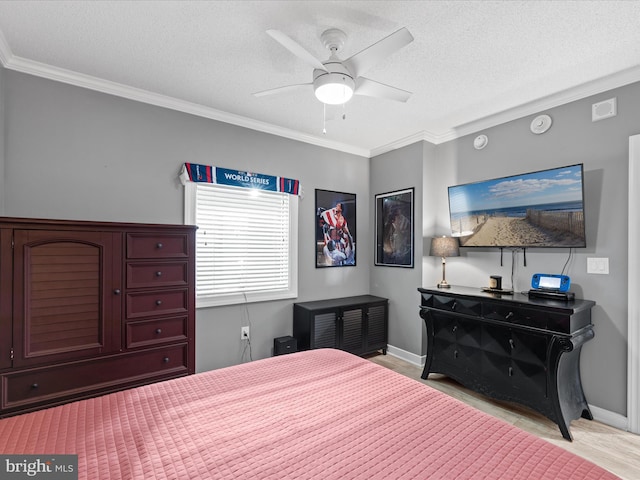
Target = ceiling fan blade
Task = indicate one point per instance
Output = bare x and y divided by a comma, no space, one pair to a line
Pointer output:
362,61
370,88
295,48
285,89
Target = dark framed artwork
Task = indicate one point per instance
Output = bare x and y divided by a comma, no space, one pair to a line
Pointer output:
394,228
335,229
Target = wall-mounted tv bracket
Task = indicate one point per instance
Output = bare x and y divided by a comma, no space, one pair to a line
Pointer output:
524,255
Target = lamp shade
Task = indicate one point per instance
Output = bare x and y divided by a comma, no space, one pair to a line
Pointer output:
444,247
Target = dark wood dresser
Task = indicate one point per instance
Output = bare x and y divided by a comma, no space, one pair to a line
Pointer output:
510,347
88,308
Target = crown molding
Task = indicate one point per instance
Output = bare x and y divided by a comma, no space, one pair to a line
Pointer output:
22,65
402,142
5,51
587,89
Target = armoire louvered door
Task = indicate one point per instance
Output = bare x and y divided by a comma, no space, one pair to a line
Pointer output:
66,295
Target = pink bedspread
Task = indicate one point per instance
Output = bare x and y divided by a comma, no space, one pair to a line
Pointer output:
321,414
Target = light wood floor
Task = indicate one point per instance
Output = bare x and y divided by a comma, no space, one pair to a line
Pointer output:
612,449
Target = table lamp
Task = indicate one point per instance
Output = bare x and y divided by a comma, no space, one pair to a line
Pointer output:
444,247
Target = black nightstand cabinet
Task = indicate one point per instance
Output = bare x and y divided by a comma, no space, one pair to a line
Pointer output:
510,348
354,324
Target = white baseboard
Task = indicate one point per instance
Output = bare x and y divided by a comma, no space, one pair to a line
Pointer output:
599,414
406,356
607,417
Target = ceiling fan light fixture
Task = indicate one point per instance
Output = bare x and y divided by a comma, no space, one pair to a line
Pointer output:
334,80
334,88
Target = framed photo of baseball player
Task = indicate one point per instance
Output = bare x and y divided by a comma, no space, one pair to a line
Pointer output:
394,228
335,229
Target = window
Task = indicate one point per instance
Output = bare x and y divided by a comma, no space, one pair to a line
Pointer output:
246,243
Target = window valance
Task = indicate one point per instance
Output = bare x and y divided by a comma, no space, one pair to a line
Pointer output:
193,172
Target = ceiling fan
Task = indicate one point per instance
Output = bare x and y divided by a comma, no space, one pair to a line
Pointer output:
335,81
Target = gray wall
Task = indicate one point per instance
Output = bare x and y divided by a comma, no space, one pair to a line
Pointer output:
72,153
398,170
603,148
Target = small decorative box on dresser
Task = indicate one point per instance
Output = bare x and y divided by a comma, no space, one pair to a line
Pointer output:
511,347
354,324
88,308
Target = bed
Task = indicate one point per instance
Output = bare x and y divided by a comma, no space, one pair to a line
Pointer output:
320,414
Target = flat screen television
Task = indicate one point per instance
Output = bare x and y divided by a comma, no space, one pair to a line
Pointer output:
537,209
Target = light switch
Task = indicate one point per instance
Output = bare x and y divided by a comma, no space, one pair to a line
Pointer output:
598,266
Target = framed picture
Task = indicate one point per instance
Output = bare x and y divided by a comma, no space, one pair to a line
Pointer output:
394,228
335,229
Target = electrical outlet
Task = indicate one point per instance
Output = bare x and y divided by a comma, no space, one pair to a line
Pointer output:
244,333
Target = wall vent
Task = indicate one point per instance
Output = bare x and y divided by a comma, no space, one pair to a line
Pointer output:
604,109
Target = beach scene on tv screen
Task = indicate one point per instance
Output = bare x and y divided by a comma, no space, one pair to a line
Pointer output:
538,209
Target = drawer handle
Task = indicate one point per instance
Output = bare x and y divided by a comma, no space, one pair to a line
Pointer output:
158,302
158,331
159,245
116,291
455,354
509,315
34,385
512,344
511,371
453,307
158,274
455,327
165,359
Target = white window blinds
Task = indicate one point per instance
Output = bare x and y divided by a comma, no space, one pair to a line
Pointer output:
246,246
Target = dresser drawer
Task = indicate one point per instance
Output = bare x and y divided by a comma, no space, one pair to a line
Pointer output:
537,318
163,245
157,274
51,383
151,332
158,302
516,315
465,306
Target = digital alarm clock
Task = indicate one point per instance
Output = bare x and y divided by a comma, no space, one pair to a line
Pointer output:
548,281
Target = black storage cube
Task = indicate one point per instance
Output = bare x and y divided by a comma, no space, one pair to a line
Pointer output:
282,345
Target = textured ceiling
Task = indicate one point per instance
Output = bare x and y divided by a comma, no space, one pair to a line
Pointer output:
473,64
